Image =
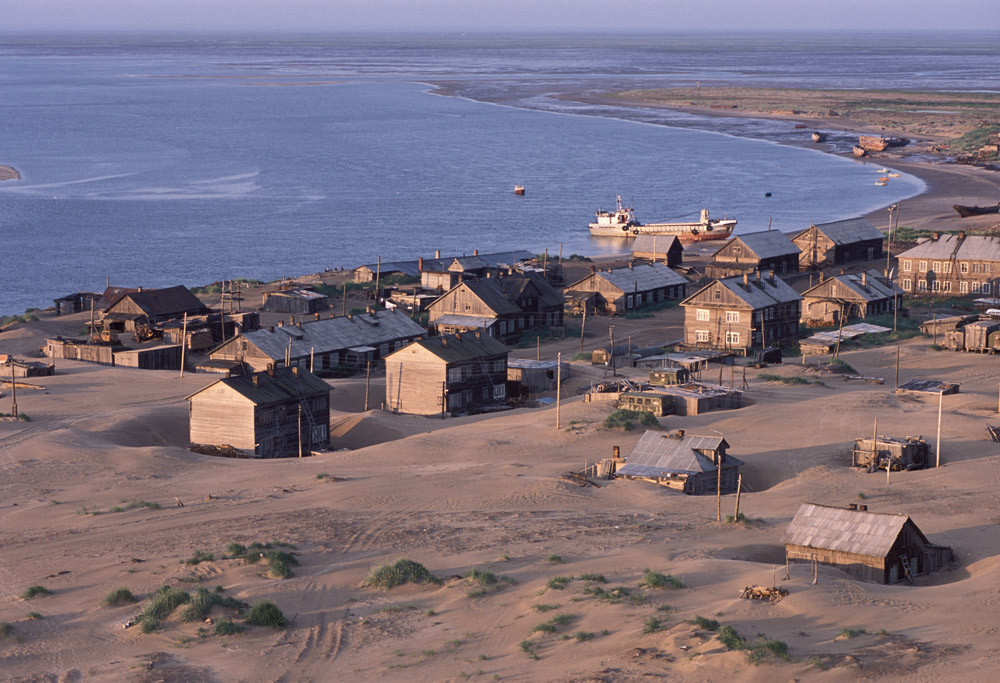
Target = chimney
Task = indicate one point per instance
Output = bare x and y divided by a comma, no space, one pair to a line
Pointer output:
140,288
281,323
862,508
746,280
770,276
961,234
852,506
437,253
475,252
444,342
616,452
935,235
593,269
291,320
316,315
295,370
478,336
630,263
758,275
843,270
271,328
270,370
420,263
458,336
864,279
255,379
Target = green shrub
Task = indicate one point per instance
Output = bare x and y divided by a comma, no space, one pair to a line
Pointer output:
34,591
707,624
164,601
613,596
397,573
541,608
652,625
235,549
553,624
655,579
227,627
626,419
559,582
851,632
740,518
118,597
794,379
34,615
588,576
278,562
202,602
266,613
555,559
758,650
5,628
582,636
199,557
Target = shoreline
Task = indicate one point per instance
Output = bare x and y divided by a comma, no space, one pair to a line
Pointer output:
9,173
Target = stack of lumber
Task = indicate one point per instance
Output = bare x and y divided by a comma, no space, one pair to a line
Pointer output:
763,593
577,479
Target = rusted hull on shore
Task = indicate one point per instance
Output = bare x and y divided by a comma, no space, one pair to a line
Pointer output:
966,211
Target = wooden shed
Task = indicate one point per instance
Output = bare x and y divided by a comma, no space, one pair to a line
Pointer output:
839,242
902,454
760,251
77,302
24,368
160,357
647,402
669,376
145,306
620,290
695,398
663,248
874,546
273,414
684,463
534,375
72,349
923,387
295,301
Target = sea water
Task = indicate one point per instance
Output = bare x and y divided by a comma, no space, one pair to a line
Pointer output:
162,160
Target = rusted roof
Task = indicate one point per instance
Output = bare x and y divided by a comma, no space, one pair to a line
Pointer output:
657,454
848,531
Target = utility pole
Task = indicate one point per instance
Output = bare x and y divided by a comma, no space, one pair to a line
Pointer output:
343,306
558,385
897,366
184,338
13,390
718,488
538,347
583,326
739,489
611,331
378,277
940,405
300,430
368,381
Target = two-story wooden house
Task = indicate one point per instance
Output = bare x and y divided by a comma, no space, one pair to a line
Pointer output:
951,264
272,414
854,295
622,289
739,314
839,242
500,307
460,373
765,250
442,274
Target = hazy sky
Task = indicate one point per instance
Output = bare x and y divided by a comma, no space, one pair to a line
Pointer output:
613,16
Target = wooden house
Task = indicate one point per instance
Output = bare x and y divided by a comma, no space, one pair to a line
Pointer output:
647,402
854,295
159,357
77,302
295,301
443,274
684,463
149,306
874,546
761,251
536,375
499,307
272,414
624,289
409,270
901,454
740,314
668,376
951,264
839,242
659,249
75,349
696,398
10,366
462,373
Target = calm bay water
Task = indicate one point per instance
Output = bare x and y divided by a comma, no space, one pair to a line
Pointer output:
171,160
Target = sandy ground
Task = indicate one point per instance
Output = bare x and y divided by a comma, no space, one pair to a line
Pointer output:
483,492
8,173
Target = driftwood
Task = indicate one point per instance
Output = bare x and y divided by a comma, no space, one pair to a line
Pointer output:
577,479
993,432
863,378
763,593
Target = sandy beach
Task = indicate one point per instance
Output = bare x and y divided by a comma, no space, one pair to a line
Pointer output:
9,173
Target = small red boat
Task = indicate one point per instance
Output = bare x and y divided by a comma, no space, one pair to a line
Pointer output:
519,189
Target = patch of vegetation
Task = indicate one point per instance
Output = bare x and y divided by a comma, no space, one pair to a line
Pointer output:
758,650
588,576
652,625
528,648
861,495
34,591
484,581
627,419
202,602
655,579
216,287
582,636
707,624
649,310
552,625
118,597
555,559
843,367
322,475
793,379
613,596
851,632
504,557
541,608
740,518
578,257
279,561
5,629
199,557
559,582
532,337
163,602
34,615
397,573
266,613
583,355
227,627
8,321
976,138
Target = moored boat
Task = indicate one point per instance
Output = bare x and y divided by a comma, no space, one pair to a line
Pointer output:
519,189
966,211
858,151
818,137
623,223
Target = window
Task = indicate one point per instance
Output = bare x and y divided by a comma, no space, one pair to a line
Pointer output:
907,284
963,267
985,268
319,434
937,266
975,267
383,350
936,286
947,285
468,306
717,294
732,316
963,287
500,392
638,299
702,314
907,266
733,338
946,267
923,266
922,285
454,374
498,366
701,336
629,301
975,287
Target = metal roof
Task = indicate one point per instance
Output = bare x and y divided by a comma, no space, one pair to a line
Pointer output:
766,243
657,454
465,320
847,231
275,386
304,294
951,246
877,286
477,261
758,292
847,531
335,334
661,244
411,268
491,293
640,278
170,301
515,285
457,348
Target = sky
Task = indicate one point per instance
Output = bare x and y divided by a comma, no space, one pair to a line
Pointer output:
606,16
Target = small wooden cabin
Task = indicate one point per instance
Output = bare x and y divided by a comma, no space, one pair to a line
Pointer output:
760,251
24,368
684,463
873,546
854,295
273,414
624,289
77,302
902,454
534,375
160,357
669,376
695,398
146,306
839,242
647,402
295,301
659,248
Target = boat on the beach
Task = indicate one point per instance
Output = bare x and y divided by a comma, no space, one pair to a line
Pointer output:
966,211
519,189
859,151
881,182
818,137
881,170
622,223
878,143
884,178
894,175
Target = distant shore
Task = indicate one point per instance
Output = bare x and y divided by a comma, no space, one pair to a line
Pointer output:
9,173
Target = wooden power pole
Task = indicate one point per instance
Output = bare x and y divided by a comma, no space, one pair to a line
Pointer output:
558,385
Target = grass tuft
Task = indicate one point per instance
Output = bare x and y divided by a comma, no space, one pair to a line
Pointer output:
655,579
757,650
34,591
851,632
553,624
589,576
266,613
34,615
555,559
227,627
652,625
5,629
119,596
559,582
627,420
707,624
397,573
199,557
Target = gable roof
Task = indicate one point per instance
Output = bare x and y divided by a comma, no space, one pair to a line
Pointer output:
334,334
111,296
951,246
458,348
765,244
515,285
657,454
848,531
637,278
476,261
302,294
159,302
412,268
662,243
877,288
277,386
847,231
757,293
491,293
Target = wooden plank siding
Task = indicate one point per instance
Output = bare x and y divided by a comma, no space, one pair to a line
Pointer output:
717,318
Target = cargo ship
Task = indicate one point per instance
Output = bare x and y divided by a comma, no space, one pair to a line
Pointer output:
622,223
